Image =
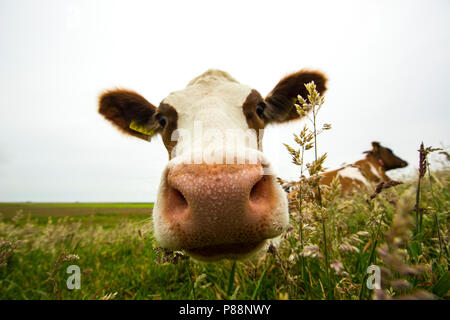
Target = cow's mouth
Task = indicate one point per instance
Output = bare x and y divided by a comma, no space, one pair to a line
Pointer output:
225,251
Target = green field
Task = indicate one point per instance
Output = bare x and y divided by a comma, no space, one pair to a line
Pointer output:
62,209
75,205
116,253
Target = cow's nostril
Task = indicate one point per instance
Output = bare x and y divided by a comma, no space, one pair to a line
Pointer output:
260,190
176,204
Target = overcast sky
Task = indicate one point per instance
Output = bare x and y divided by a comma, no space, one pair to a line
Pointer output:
387,62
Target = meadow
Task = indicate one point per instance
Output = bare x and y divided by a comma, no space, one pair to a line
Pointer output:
119,258
328,252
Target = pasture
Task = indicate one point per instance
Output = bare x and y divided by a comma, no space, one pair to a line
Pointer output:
99,108
118,257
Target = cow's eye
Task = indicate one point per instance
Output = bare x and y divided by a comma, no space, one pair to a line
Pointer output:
162,121
260,109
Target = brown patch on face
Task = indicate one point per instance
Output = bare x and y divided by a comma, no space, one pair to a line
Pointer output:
171,118
252,105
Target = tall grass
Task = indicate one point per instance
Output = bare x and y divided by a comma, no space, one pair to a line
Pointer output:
121,262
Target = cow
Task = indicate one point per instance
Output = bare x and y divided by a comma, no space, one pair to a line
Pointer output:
360,175
211,205
367,172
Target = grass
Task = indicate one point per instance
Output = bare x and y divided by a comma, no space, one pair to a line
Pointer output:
117,257
75,205
8,210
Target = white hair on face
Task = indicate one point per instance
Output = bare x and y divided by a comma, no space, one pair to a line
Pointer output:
213,99
212,74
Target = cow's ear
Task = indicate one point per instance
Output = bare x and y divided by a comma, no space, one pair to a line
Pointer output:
375,146
129,112
280,101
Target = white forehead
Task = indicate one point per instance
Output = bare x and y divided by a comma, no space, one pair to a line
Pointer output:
214,98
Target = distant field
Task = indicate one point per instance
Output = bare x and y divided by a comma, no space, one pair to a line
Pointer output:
62,209
78,204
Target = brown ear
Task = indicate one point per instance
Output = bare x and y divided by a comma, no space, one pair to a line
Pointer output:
375,146
280,102
121,107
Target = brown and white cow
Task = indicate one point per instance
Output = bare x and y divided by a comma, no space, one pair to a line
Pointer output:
219,206
366,172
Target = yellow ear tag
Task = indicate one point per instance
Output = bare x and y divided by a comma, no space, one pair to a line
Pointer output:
136,126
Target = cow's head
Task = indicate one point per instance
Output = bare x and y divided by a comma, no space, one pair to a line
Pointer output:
217,197
387,159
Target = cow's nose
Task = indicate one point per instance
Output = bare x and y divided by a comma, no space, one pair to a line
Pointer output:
404,164
219,205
